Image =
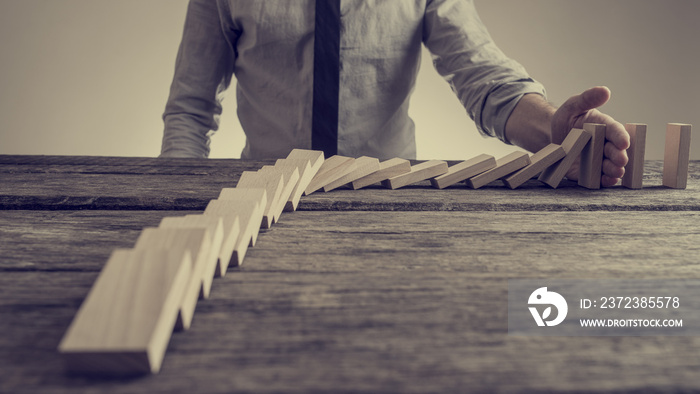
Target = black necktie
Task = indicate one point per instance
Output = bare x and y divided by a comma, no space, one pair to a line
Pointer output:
324,126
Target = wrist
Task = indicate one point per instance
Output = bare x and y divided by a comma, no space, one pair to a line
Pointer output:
530,124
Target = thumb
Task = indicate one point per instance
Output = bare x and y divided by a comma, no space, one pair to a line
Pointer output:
588,100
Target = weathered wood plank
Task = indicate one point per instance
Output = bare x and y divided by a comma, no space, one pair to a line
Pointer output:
371,301
192,192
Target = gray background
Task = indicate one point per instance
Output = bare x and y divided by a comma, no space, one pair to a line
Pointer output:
90,77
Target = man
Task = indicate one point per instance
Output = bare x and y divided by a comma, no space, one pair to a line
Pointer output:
270,47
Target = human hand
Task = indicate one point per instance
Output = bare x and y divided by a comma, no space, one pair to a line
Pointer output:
581,109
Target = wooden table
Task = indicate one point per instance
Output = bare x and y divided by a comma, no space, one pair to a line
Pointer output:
372,290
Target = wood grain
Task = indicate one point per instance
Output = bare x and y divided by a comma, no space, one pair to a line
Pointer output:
402,301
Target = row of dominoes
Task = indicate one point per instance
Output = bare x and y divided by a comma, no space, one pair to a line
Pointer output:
144,293
551,164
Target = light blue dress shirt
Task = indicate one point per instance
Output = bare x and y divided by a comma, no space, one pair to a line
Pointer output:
268,46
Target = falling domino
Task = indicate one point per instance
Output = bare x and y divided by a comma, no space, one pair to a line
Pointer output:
387,169
544,158
573,144
634,170
197,242
315,157
466,169
216,230
419,172
329,171
290,177
306,174
504,166
257,196
592,157
362,166
273,183
124,325
676,155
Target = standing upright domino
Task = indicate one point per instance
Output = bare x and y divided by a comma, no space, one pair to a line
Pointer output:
634,170
592,157
676,155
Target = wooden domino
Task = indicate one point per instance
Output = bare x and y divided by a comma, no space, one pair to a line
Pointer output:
216,230
504,166
544,158
249,213
273,182
124,325
573,144
306,174
258,196
387,169
290,177
419,172
197,242
676,155
361,167
592,157
329,171
466,169
315,157
634,170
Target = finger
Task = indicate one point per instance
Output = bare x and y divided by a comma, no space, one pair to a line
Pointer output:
588,100
606,181
615,132
612,170
617,156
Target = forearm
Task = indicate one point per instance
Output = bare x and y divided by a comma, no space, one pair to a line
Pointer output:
202,73
530,124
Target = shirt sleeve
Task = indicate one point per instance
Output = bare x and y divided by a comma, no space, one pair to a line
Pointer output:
487,83
203,71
